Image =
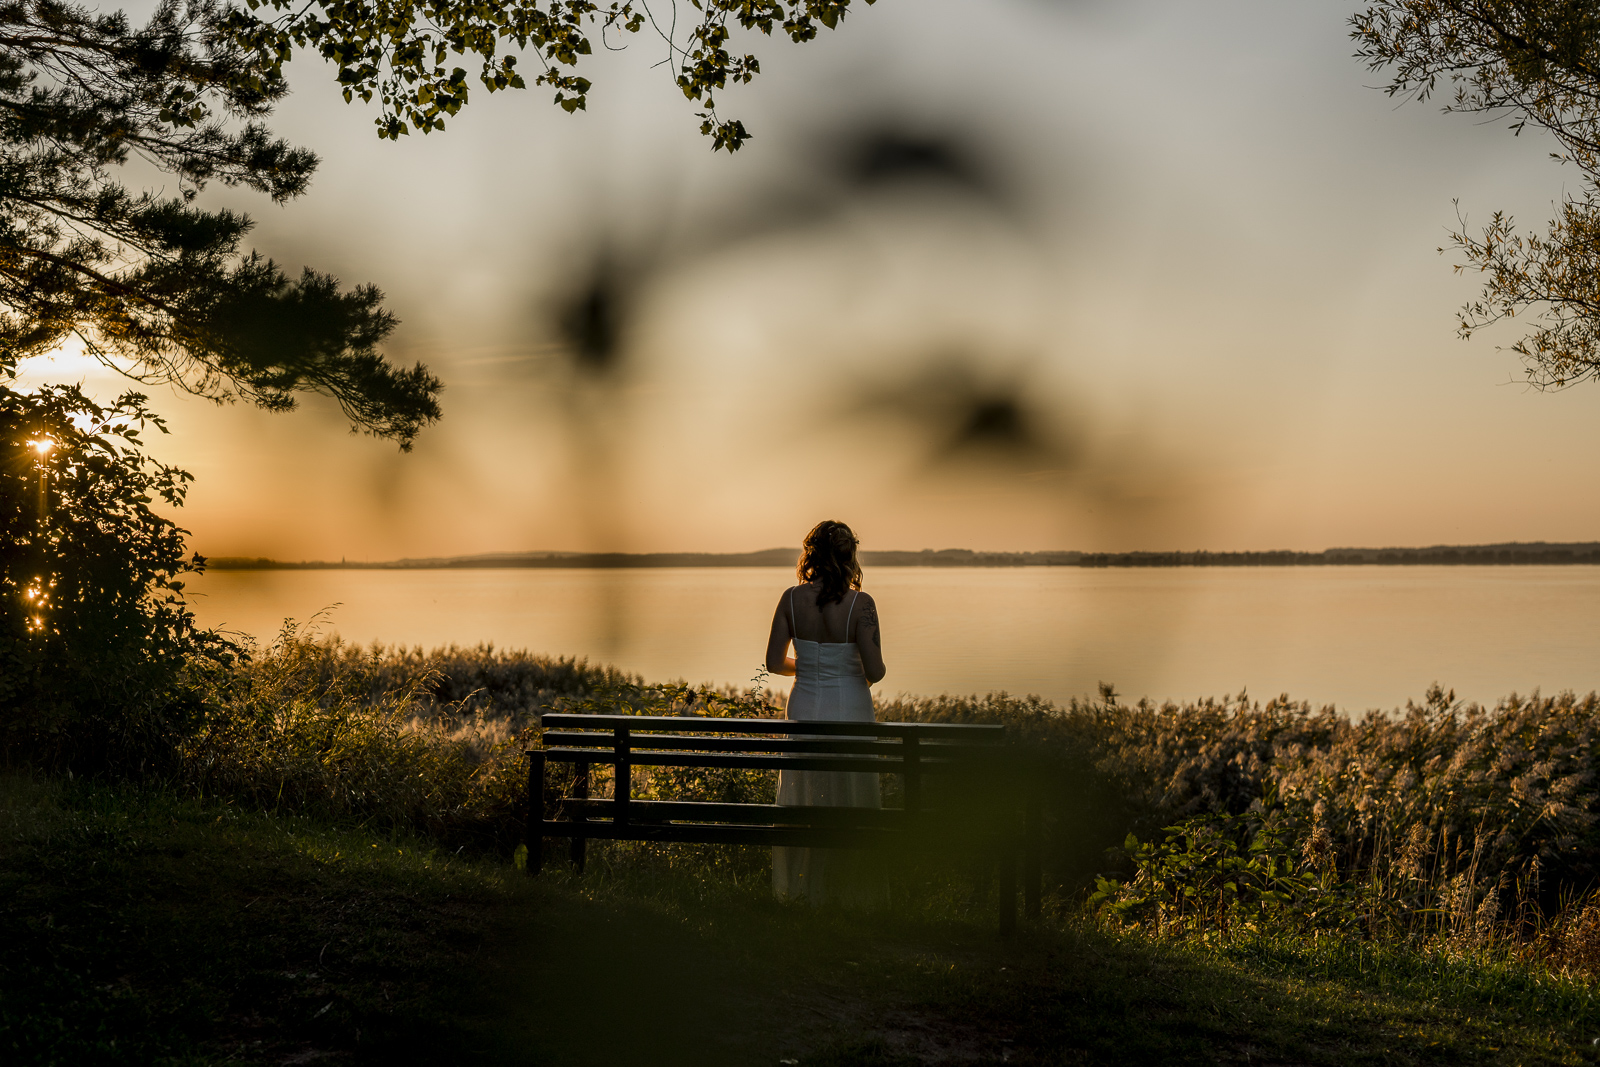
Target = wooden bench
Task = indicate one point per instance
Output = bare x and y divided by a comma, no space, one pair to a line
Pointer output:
1008,829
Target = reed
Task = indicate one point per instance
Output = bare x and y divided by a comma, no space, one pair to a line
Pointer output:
399,740
1443,825
1442,822
371,736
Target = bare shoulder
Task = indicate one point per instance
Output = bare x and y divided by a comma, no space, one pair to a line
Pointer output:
867,606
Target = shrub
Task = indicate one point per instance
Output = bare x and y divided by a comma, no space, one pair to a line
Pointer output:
97,648
1215,869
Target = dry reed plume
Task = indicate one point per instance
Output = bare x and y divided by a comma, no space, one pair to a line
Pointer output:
1441,820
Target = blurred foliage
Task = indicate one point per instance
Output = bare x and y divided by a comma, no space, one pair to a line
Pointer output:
98,652
94,636
1535,62
161,289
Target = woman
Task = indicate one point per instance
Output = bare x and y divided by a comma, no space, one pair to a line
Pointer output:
838,655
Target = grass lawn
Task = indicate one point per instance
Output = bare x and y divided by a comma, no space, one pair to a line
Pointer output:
138,929
141,929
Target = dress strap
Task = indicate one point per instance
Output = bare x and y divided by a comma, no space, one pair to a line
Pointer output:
847,615
794,632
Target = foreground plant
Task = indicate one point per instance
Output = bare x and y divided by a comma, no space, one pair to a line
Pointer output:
391,739
282,732
98,653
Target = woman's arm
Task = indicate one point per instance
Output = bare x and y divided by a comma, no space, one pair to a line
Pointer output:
778,659
869,640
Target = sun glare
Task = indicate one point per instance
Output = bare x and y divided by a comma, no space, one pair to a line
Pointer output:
42,446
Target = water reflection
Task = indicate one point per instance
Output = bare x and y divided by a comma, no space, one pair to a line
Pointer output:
1357,637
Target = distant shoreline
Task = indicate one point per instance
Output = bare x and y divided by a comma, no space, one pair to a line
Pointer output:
1514,553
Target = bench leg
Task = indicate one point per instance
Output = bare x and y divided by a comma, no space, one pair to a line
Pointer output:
533,823
1032,875
1008,891
580,789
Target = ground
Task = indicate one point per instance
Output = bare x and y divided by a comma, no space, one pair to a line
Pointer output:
142,928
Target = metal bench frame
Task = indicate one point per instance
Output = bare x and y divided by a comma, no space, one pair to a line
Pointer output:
911,750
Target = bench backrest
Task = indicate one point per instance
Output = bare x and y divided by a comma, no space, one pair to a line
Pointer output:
701,741
909,749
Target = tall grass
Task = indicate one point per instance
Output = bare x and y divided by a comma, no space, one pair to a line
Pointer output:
371,736
398,739
1441,820
1511,789
1444,823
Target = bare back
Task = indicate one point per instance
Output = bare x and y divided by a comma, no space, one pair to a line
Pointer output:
852,620
830,623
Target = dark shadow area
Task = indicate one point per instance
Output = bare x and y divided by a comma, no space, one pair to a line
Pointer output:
140,929
605,978
584,983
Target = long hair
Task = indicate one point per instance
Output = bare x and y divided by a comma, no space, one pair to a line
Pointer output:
828,559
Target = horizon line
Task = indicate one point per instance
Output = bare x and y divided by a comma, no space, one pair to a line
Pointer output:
1497,553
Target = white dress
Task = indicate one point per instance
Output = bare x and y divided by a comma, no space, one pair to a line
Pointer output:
829,685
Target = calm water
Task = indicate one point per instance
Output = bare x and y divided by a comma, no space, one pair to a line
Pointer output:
1357,637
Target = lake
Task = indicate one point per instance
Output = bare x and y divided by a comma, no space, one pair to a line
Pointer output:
1357,637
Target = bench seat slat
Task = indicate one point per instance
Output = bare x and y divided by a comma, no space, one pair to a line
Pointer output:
699,811
723,834
864,764
757,761
706,743
703,743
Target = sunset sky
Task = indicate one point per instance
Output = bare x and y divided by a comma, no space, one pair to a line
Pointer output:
1177,288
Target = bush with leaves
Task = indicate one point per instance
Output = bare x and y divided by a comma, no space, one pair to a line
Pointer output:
1214,869
97,648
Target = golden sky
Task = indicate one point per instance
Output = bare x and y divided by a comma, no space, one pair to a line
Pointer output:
993,274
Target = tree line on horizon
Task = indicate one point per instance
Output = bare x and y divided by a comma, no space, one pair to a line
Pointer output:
1508,554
